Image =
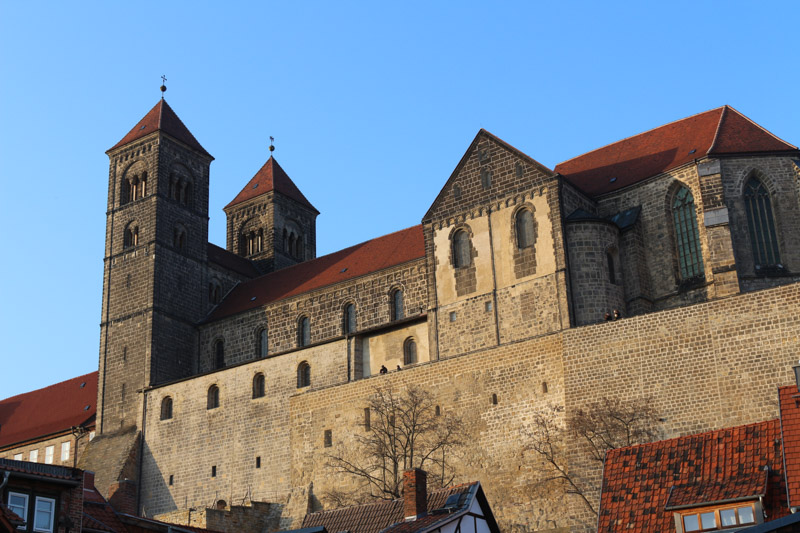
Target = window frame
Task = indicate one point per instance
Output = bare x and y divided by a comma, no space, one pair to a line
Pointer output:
349,319
303,375
49,454
24,515
530,242
407,344
167,405
262,342
303,331
65,447
259,385
397,303
680,515
689,262
764,239
52,503
462,248
212,397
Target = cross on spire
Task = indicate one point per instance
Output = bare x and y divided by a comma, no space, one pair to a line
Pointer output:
271,143
163,86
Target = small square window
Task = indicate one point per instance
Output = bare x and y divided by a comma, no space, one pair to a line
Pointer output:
487,307
452,316
708,520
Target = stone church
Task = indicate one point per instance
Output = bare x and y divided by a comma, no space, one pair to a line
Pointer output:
663,266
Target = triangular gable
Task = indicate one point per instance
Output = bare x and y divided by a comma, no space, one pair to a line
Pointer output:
467,176
737,133
271,177
162,118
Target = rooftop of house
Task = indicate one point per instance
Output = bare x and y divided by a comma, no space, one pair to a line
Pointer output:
365,258
271,177
48,411
644,484
719,131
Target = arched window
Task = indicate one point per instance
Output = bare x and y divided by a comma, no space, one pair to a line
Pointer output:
409,351
131,237
303,332
166,408
761,224
214,292
258,385
219,354
179,238
298,251
461,249
687,238
397,304
349,319
143,185
526,232
303,375
263,342
213,397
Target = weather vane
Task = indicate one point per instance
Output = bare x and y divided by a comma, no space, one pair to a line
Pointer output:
271,143
163,86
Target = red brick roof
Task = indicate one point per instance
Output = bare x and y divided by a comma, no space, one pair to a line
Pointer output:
271,177
162,118
231,261
48,411
719,131
790,429
711,467
374,517
365,258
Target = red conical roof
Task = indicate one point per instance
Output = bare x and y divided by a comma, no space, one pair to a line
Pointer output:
162,118
271,177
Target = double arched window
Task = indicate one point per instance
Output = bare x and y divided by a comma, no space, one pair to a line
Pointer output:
131,236
303,375
761,224
687,238
525,229
349,319
219,354
180,190
397,310
212,400
262,347
166,408
303,332
251,242
462,251
293,243
134,187
410,351
258,385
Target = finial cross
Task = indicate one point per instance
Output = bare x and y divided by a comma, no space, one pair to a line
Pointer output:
163,80
271,143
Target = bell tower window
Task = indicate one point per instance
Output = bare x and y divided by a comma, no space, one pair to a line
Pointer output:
131,237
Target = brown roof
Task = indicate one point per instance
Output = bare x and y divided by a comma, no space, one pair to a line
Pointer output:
231,261
365,258
48,411
9,518
697,469
790,428
375,517
718,131
162,118
271,177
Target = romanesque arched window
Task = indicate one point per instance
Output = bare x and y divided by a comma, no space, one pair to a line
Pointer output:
214,292
179,238
525,229
397,304
462,255
349,319
687,238
166,408
761,224
219,354
303,332
409,351
212,400
180,189
303,375
258,385
131,236
263,342
298,248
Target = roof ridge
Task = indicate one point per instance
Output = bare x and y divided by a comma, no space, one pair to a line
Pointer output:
719,127
756,124
638,134
48,386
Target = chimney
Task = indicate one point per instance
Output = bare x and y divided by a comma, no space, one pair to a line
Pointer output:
415,494
88,479
122,496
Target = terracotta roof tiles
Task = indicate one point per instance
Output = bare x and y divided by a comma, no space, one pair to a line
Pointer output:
790,430
271,177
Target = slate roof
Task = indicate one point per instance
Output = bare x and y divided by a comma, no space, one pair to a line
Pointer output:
790,429
54,472
48,411
640,481
718,131
162,118
365,258
231,261
271,177
375,517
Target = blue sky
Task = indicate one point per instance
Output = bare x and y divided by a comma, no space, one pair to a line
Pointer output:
371,106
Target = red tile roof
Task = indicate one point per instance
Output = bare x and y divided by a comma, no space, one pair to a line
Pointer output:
718,131
231,261
375,517
162,118
790,429
48,411
271,177
58,472
365,258
9,518
712,466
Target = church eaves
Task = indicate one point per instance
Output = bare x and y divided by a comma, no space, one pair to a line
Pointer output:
162,118
271,177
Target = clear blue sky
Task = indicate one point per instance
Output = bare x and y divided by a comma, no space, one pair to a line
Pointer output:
371,104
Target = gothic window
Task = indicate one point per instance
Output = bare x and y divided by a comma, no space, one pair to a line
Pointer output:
486,178
214,292
131,237
166,408
526,232
212,401
179,239
349,319
263,342
303,375
410,351
761,224
687,238
461,249
303,332
258,385
219,354
397,304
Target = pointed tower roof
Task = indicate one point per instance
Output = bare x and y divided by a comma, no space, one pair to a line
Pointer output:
162,118
271,177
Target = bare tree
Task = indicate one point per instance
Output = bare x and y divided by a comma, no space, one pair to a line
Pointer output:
406,430
602,425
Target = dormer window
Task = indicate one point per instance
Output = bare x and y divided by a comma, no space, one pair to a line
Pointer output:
715,519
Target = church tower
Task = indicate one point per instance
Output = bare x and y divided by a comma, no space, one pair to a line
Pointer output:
155,263
270,222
